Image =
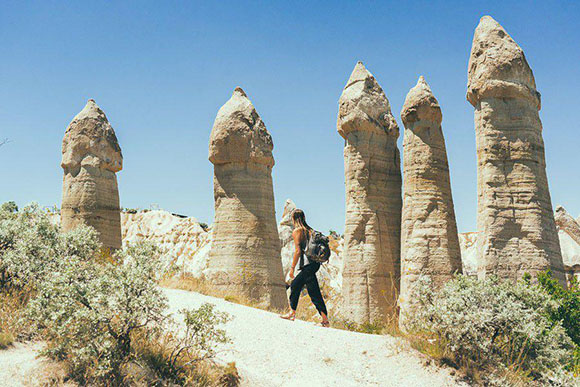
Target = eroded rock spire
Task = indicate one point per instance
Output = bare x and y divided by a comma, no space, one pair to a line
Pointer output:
517,232
91,157
373,199
245,250
429,238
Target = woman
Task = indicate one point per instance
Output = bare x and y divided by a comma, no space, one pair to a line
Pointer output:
307,271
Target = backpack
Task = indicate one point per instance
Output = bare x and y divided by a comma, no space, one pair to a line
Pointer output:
317,248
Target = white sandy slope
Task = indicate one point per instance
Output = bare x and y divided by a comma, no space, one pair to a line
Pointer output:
20,365
269,351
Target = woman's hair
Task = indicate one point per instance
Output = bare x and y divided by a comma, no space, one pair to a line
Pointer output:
299,219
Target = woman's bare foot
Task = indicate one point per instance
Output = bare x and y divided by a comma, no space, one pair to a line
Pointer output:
289,316
325,324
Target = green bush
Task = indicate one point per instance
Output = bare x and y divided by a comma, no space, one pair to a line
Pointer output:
568,310
175,357
32,247
495,326
89,310
90,307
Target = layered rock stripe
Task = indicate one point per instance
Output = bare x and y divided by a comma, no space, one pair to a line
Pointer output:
429,238
245,250
91,157
373,199
517,232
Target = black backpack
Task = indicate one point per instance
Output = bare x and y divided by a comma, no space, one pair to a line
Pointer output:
317,248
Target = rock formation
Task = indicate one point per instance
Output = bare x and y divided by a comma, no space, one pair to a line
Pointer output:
569,235
245,251
91,157
517,232
429,239
373,199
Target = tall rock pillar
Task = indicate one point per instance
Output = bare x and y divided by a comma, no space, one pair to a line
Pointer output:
245,251
91,157
429,239
517,232
373,199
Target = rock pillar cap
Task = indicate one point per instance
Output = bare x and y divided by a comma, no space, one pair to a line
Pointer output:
363,105
239,135
497,66
421,105
90,139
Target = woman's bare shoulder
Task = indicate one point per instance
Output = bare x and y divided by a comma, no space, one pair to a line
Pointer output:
298,233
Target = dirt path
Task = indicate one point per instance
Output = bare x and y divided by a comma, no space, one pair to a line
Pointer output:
269,351
18,363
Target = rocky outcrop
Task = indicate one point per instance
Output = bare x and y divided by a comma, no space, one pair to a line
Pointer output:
569,235
184,242
91,157
373,199
429,239
245,251
517,232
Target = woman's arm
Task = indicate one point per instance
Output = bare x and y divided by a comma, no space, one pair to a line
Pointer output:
297,236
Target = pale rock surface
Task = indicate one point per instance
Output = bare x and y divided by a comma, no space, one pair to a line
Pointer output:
373,199
245,251
429,239
183,241
569,234
517,232
468,245
91,157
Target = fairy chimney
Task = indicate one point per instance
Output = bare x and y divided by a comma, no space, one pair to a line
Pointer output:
515,221
373,199
245,251
429,239
91,157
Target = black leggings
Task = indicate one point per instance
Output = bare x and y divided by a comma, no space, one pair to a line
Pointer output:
307,276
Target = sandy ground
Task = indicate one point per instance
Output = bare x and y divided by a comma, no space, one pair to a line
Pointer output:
19,363
269,351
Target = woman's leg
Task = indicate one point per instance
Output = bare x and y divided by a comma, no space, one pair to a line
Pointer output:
316,296
295,289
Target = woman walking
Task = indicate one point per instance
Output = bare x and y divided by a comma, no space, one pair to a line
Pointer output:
307,271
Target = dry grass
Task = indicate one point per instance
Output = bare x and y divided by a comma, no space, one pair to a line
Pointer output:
158,364
305,311
192,284
12,304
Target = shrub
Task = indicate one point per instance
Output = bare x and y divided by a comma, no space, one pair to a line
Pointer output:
568,310
494,325
89,310
178,358
103,315
31,247
9,207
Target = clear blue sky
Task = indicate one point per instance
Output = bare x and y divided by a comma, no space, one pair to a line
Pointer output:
161,70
